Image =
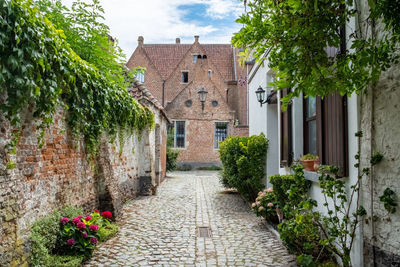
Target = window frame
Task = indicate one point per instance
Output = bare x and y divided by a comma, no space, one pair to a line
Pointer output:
195,58
174,127
216,143
183,76
140,75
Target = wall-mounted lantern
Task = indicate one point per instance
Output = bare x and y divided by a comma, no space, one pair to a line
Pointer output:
202,96
271,98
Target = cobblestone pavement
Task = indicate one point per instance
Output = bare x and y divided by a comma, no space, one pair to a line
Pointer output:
162,230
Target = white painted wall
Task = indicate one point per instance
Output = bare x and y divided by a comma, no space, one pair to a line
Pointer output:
264,119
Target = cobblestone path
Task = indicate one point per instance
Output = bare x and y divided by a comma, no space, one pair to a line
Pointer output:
162,230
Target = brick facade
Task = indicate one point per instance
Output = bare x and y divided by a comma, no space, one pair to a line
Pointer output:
61,173
216,69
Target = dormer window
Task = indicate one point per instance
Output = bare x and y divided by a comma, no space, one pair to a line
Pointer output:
185,76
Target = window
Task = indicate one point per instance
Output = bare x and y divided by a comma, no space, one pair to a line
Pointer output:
209,73
180,134
176,134
310,125
220,133
140,76
194,58
325,130
185,77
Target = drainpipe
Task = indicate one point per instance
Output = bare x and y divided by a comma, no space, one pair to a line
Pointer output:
163,92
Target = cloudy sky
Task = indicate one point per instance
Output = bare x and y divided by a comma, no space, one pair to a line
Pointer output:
161,21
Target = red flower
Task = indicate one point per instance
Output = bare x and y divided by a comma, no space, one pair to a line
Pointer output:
76,220
81,225
84,234
88,218
71,242
64,220
97,211
94,227
93,240
106,214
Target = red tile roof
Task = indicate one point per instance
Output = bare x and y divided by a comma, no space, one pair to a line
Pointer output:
166,57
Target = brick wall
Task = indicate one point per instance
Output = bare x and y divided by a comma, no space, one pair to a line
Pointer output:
61,173
240,131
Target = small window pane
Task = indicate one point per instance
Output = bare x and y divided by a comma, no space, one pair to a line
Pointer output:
195,58
221,132
185,76
140,77
311,106
312,137
180,134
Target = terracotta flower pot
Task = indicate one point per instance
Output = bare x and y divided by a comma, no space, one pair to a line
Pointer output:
309,165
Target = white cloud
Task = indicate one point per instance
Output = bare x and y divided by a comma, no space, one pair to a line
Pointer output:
161,21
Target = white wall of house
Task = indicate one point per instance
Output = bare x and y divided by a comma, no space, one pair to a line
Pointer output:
264,119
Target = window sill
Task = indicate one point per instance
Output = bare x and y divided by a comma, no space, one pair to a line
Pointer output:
311,176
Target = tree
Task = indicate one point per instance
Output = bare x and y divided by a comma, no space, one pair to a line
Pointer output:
88,36
294,35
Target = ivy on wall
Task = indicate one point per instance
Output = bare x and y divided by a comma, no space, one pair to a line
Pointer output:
39,70
294,36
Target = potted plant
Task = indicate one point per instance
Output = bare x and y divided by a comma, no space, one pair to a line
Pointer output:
309,162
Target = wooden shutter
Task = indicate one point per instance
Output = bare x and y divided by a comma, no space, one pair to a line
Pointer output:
286,133
334,150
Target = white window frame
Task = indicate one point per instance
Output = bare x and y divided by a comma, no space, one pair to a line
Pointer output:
215,143
140,76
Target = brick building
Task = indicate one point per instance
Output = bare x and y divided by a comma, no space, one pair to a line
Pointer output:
176,73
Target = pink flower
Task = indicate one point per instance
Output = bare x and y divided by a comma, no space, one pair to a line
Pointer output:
106,214
269,190
84,234
64,220
76,220
88,218
253,205
270,204
94,227
97,211
71,242
81,225
261,208
258,203
93,240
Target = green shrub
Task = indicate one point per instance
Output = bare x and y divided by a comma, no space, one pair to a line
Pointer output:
210,168
108,232
301,236
49,237
291,190
243,160
45,234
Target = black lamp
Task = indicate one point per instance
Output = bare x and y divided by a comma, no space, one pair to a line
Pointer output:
260,95
202,96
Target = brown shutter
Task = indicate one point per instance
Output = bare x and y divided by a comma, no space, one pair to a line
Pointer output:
286,133
334,132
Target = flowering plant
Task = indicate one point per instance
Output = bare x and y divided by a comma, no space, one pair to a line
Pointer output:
79,235
266,206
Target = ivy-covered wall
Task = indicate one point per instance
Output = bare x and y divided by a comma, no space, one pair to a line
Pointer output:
61,173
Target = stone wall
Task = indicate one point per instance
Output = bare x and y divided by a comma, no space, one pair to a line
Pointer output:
380,123
61,173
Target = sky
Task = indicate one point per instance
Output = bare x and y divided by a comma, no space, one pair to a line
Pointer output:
161,21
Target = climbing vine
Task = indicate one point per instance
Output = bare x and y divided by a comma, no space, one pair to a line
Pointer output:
39,70
294,37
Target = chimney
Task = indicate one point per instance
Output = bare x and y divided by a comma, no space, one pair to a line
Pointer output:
196,38
178,40
140,41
